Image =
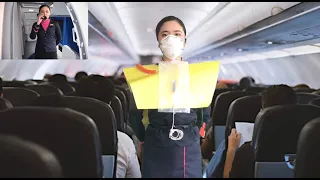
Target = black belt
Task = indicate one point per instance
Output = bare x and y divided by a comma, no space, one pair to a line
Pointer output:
184,126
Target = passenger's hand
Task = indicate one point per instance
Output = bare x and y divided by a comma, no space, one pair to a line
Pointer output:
234,140
40,19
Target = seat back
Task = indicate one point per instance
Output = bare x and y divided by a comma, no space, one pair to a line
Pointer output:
216,93
100,112
25,159
277,129
45,89
63,86
70,135
4,104
272,170
117,109
308,148
19,96
275,135
305,98
244,109
220,112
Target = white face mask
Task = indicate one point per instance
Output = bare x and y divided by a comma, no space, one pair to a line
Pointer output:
172,46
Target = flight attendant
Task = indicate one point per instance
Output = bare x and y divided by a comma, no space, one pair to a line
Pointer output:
164,157
48,33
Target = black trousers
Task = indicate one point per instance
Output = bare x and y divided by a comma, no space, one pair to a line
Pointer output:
42,54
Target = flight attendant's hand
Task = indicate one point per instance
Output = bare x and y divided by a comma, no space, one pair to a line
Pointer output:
40,18
234,140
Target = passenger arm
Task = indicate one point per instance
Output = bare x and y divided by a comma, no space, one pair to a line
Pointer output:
233,144
58,33
133,170
34,31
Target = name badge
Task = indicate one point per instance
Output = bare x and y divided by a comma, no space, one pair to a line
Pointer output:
51,24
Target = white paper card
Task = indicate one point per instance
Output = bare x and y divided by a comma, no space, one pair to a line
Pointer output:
246,131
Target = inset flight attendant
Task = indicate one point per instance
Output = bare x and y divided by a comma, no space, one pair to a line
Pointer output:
48,33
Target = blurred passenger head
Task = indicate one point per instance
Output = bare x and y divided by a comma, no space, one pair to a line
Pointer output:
171,35
301,86
221,85
47,76
278,95
96,86
1,87
246,82
79,75
45,10
58,78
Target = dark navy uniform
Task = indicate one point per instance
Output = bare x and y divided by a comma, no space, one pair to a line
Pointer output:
166,158
47,40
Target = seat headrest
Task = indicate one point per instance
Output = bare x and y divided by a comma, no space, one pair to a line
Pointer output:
315,102
304,90
317,92
126,92
72,94
72,136
4,104
120,94
277,128
19,96
308,148
217,92
44,89
25,159
63,86
244,109
222,103
14,84
122,98
117,109
100,112
305,98
256,89
74,84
